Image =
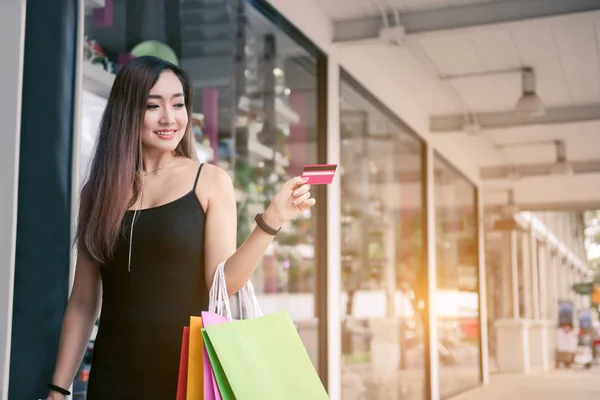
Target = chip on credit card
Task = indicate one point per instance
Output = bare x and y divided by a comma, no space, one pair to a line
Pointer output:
319,174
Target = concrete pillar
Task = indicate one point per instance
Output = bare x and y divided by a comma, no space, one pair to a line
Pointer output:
553,303
543,269
514,272
504,300
535,282
554,283
512,334
571,281
526,275
564,277
538,331
567,282
539,357
513,345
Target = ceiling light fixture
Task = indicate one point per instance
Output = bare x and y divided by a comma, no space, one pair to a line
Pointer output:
529,105
562,166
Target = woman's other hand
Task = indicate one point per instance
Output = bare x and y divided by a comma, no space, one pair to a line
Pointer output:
291,200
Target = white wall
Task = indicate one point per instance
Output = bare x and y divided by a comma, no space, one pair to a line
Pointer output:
12,25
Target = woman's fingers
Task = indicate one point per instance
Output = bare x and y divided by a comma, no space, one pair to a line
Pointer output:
301,198
295,183
299,191
307,204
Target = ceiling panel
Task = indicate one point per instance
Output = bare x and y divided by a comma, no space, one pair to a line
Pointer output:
453,53
413,78
582,142
339,10
422,5
496,49
578,53
483,94
415,5
478,148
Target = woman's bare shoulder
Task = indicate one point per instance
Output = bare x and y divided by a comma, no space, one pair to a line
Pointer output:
214,184
215,177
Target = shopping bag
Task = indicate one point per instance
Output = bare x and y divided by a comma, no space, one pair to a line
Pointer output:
195,377
211,389
220,312
262,358
183,365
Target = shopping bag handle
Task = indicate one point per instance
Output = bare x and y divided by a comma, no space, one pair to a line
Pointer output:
219,298
249,302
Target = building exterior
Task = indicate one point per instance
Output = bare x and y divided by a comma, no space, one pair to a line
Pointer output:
533,260
409,278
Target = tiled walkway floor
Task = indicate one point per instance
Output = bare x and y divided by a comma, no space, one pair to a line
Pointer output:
573,384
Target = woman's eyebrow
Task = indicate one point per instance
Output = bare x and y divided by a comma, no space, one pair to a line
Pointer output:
158,96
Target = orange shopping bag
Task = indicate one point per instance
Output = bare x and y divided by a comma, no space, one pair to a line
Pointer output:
195,375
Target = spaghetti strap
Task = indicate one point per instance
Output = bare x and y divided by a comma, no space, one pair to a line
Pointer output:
197,176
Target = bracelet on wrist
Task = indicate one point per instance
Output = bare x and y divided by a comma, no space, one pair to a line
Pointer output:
58,389
264,227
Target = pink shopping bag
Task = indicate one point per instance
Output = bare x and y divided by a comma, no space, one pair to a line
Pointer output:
211,389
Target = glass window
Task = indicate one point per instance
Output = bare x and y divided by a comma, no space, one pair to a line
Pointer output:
382,252
276,113
255,114
457,279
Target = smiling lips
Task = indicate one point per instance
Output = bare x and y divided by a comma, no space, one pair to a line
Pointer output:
166,134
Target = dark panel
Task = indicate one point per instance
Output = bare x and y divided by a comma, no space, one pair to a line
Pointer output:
44,217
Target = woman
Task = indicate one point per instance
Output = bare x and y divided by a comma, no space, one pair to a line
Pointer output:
153,226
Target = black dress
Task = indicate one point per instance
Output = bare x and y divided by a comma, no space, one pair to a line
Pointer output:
138,345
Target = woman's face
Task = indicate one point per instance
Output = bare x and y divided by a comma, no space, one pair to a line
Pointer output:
166,116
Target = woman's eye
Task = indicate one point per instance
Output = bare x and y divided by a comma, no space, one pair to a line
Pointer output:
180,105
151,107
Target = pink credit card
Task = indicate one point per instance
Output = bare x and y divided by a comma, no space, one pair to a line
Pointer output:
319,174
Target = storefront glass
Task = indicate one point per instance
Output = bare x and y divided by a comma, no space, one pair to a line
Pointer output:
382,269
255,113
457,280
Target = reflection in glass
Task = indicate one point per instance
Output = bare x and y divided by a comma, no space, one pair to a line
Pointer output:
255,113
457,278
275,136
382,252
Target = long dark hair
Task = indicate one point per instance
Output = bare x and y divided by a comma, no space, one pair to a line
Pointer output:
107,194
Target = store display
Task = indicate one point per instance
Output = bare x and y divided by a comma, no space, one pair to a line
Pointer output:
93,53
156,49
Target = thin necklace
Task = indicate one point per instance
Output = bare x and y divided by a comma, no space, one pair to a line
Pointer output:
159,167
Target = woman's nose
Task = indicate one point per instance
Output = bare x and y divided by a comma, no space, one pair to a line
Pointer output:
167,116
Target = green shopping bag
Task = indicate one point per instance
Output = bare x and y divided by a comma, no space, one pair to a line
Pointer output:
262,359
